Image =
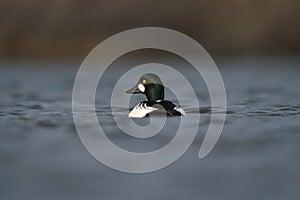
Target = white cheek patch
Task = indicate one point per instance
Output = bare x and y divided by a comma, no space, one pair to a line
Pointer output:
141,87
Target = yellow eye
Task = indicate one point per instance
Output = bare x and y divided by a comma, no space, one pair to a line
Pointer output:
144,81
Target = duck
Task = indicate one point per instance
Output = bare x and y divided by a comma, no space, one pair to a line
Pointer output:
152,87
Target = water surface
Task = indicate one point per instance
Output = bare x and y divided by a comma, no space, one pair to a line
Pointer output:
257,156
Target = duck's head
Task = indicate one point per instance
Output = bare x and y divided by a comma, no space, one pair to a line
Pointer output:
149,85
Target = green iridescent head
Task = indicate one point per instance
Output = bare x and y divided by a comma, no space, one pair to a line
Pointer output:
149,85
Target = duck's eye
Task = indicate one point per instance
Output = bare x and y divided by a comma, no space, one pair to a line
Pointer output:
144,81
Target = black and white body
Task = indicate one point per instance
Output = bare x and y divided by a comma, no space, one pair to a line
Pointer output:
151,86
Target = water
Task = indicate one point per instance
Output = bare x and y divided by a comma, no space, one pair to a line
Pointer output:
257,156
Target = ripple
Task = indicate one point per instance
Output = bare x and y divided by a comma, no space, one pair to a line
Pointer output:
31,106
47,123
35,107
250,111
49,112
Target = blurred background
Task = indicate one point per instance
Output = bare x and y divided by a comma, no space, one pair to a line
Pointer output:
256,46
71,28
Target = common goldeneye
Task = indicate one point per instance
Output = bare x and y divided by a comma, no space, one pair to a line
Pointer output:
151,86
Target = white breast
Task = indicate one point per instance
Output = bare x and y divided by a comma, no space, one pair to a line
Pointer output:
141,110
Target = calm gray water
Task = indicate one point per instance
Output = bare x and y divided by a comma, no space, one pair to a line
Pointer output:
257,156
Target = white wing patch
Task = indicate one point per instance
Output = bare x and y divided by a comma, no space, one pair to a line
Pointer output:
180,110
141,110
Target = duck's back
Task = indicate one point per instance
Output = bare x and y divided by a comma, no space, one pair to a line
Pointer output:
168,107
159,108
